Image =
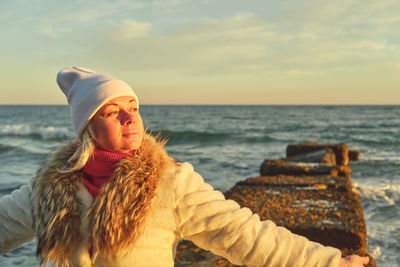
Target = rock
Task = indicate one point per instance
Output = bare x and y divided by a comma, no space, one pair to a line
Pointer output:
341,150
339,184
354,155
188,254
340,170
326,215
277,167
342,154
324,156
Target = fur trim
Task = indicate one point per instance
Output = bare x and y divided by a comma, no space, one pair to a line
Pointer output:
56,210
117,215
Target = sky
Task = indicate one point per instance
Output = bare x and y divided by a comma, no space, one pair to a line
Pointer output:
291,52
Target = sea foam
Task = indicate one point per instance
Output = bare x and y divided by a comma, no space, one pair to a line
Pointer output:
41,132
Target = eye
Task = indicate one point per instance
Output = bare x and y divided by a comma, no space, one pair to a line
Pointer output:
133,109
110,113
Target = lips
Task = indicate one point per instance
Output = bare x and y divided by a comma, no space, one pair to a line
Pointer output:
130,133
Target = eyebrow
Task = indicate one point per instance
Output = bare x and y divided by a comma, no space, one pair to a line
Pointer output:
115,104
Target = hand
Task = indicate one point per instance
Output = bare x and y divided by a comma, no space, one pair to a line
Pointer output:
353,261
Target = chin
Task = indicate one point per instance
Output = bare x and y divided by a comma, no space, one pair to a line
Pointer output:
132,146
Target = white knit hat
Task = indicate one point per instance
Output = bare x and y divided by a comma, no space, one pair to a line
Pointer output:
87,91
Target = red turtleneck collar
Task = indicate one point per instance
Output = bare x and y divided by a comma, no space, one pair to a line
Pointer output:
100,168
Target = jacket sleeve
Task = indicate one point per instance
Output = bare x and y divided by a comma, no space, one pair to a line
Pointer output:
15,219
221,226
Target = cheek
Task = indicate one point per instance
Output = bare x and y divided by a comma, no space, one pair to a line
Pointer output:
105,132
139,126
140,122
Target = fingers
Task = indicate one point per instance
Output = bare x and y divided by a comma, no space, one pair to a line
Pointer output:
365,260
356,260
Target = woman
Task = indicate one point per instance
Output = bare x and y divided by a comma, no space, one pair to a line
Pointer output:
115,197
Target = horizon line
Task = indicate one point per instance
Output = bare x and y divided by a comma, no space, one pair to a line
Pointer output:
293,104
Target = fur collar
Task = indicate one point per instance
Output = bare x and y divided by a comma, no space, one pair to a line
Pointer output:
115,218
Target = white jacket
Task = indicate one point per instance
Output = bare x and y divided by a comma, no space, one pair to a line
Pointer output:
184,207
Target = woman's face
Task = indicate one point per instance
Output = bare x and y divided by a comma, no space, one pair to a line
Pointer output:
118,126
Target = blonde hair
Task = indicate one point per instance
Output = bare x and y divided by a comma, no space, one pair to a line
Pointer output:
83,153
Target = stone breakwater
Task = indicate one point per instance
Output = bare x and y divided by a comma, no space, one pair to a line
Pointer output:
309,192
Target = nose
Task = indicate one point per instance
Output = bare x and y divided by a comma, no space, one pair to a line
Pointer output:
127,119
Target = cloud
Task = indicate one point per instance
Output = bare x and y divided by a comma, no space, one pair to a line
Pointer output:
163,4
209,46
230,43
73,13
5,16
321,38
48,32
129,30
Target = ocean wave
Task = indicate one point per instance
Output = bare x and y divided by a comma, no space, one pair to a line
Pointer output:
376,252
39,132
185,136
258,139
176,137
384,158
378,196
380,203
7,188
373,140
6,148
380,156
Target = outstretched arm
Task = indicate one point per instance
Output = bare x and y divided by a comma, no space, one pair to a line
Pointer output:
15,219
221,226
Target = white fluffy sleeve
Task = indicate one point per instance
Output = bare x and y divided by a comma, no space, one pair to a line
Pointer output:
221,226
15,219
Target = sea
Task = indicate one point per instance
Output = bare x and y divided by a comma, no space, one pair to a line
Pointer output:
227,144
